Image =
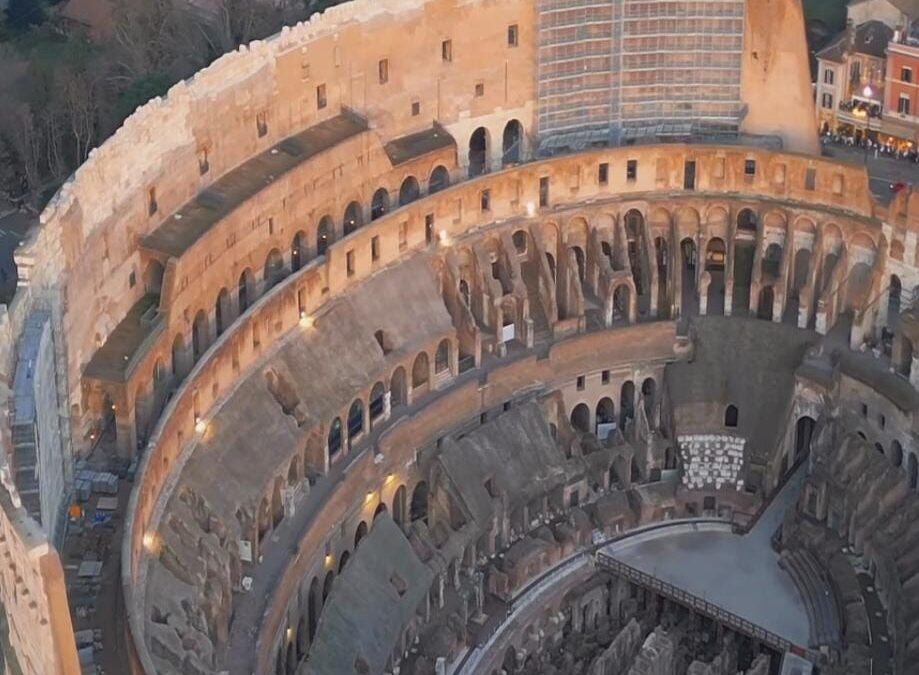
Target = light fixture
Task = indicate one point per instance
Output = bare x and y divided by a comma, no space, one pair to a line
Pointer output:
867,91
200,425
306,320
150,541
369,496
444,238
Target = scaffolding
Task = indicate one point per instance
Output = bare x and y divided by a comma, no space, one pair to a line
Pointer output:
613,71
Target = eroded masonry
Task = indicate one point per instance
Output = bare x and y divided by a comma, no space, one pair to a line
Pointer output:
489,336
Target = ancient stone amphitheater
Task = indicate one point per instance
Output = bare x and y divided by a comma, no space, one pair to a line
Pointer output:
469,336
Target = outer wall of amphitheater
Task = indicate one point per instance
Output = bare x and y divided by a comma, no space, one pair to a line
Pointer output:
370,120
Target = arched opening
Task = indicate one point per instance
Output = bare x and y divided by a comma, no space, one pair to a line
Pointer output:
622,297
550,260
465,293
478,152
178,348
274,268
581,262
334,437
442,357
199,335
894,293
245,290
398,390
912,471
648,392
715,261
669,459
420,370
315,604
355,419
343,560
327,585
641,274
324,235
662,253
634,473
360,533
766,303
606,417
302,634
398,506
626,405
153,277
379,511
379,206
689,299
377,402
580,418
879,448
520,242
804,433
222,317
419,507
409,191
905,362
731,416
747,221
298,251
858,286
798,282
512,143
439,180
896,454
277,504
354,218
772,261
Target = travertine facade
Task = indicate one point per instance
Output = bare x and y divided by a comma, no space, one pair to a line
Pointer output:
304,288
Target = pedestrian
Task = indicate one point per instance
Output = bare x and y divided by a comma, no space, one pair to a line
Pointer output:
875,152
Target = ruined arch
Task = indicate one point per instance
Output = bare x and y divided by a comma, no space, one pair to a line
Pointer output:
419,505
335,437
439,180
478,152
354,218
200,338
274,268
580,418
398,388
442,356
355,419
420,370
379,204
298,251
731,416
325,233
245,290
409,191
512,143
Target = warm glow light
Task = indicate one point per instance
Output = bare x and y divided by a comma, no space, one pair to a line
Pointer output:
329,560
306,320
390,477
867,91
290,634
150,541
370,496
444,238
531,209
200,425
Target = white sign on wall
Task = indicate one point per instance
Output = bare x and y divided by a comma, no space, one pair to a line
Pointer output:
508,333
245,550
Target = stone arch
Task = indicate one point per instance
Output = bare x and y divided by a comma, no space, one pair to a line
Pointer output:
715,262
442,356
747,220
771,264
178,349
912,471
327,585
478,152
622,301
325,235
354,218
299,250
153,277
804,435
398,388
418,510
858,286
439,179
520,239
379,204
355,419
315,606
335,437
649,394
897,249
222,317
377,402
731,416
343,560
605,413
245,290
580,418
360,533
512,143
399,506
274,268
894,297
409,191
200,338
379,510
626,405
420,370
896,453
688,265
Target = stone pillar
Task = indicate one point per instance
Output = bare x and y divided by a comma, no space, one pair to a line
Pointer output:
387,405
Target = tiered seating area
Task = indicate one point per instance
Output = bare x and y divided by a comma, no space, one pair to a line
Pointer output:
815,589
712,460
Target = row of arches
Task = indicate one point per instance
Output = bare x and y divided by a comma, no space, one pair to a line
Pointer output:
512,141
605,411
313,597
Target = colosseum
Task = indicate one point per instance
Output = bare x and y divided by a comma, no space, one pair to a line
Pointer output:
458,337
